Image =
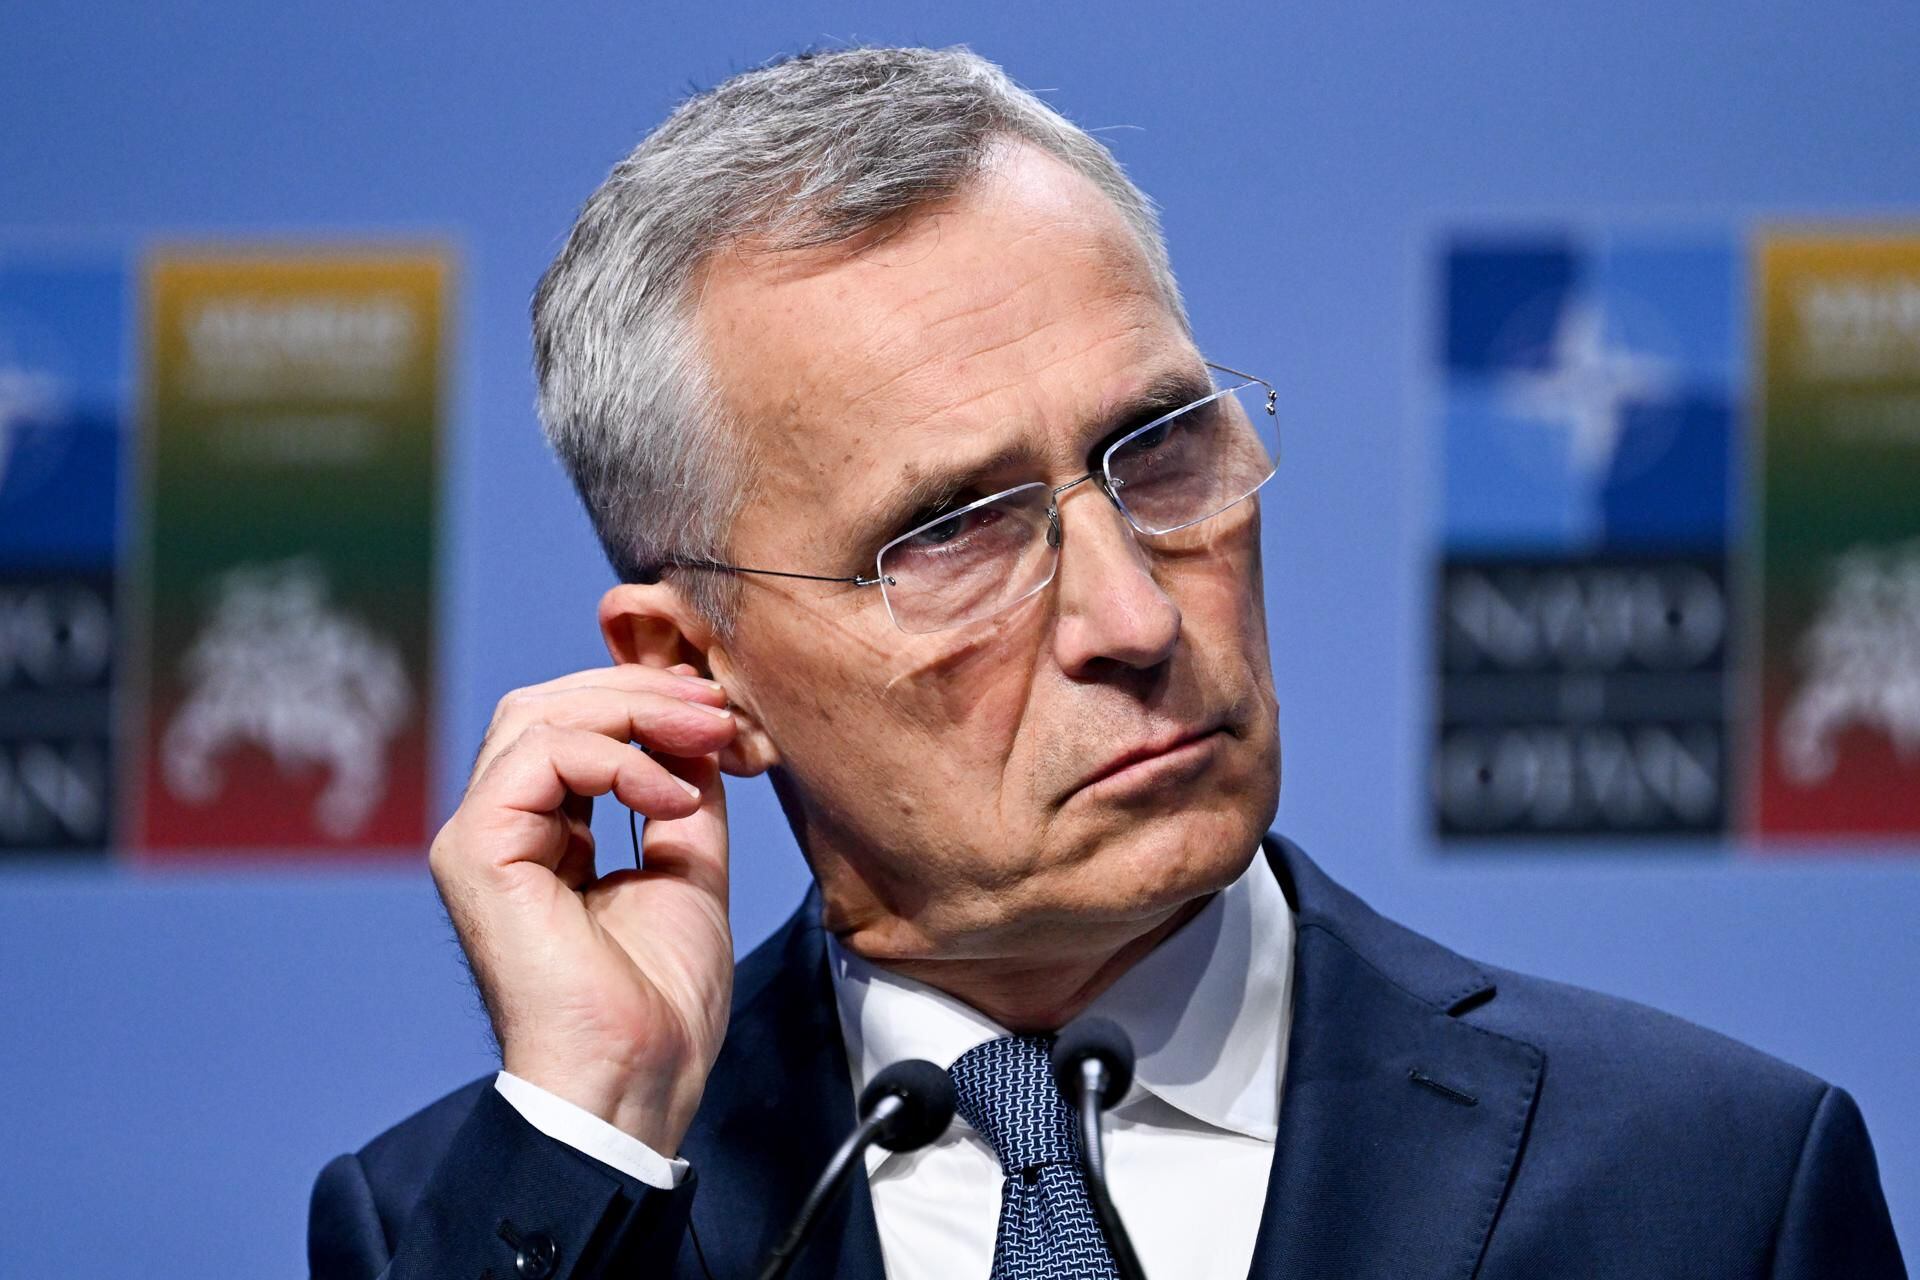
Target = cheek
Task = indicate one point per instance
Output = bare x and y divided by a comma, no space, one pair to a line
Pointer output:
1221,600
1253,607
1223,612
807,679
930,722
969,693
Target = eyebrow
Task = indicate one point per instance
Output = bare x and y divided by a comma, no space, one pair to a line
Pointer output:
1162,393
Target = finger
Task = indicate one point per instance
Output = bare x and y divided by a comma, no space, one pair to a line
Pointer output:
545,763
675,682
694,846
679,681
660,721
670,724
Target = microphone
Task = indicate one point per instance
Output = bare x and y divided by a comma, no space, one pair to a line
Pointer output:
1093,1065
905,1106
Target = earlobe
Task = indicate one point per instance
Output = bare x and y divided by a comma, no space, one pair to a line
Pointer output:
751,753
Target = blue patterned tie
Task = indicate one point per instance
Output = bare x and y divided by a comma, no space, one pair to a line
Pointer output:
1005,1090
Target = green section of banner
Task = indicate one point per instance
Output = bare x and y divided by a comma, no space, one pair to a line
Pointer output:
293,407
1839,540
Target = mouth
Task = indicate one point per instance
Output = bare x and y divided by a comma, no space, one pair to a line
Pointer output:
1159,761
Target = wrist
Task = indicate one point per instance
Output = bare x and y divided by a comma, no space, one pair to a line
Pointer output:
654,1108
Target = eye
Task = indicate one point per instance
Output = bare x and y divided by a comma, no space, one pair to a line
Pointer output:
1152,438
1156,445
953,527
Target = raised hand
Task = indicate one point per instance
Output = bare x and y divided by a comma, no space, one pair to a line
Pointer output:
609,991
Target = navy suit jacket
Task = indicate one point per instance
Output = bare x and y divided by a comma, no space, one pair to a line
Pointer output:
1439,1118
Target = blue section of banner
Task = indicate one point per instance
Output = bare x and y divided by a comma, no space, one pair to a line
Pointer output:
1669,483
1507,485
1503,304
62,396
1589,388
1678,302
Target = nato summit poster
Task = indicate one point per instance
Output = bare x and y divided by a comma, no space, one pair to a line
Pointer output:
292,416
1678,583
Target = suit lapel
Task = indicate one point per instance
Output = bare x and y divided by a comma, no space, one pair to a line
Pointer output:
1400,1124
778,1104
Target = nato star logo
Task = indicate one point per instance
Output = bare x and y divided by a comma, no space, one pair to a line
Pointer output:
1588,395
1587,387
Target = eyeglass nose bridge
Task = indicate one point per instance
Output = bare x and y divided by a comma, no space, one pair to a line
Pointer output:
1053,504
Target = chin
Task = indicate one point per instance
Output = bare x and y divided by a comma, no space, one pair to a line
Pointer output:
1145,859
1113,868
1158,863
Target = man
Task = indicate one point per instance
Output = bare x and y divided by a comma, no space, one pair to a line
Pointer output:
873,375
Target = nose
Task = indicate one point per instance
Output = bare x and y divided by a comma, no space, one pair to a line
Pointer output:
1109,609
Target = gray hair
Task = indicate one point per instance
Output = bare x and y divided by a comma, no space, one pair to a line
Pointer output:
811,150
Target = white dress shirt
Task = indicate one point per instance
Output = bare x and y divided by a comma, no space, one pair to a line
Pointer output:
586,1132
1188,1149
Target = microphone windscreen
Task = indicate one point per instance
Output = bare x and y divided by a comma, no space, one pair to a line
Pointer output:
1099,1038
926,1094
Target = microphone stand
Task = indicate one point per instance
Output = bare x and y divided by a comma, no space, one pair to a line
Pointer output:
1093,1090
904,1107
829,1184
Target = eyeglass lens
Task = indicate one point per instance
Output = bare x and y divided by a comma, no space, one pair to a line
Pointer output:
991,555
1195,464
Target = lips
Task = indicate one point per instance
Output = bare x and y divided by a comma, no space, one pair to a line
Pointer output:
1145,751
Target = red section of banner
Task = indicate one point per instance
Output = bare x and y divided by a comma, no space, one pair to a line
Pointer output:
258,804
1863,790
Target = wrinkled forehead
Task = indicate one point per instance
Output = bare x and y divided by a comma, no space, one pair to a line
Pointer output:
1002,322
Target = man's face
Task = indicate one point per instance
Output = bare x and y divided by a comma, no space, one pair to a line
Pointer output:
960,794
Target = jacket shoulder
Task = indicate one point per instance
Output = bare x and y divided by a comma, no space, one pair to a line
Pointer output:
1597,1047
1614,1046
1703,1128
1698,1146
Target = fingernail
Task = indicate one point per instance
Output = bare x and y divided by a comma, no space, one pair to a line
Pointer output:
688,787
722,712
703,682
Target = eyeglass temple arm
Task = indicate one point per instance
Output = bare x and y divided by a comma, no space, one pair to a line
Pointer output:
1272,394
1238,373
715,566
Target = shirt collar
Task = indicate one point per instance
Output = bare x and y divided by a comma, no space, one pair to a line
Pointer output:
1208,1011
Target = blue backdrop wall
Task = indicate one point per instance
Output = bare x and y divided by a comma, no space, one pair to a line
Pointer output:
183,1050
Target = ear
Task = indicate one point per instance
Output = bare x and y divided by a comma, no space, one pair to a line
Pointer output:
651,624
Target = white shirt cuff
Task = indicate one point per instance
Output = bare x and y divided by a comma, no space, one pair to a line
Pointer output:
587,1133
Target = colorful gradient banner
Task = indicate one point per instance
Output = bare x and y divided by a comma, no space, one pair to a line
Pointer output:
294,410
1839,538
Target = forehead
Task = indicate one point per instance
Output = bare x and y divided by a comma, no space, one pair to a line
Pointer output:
998,320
